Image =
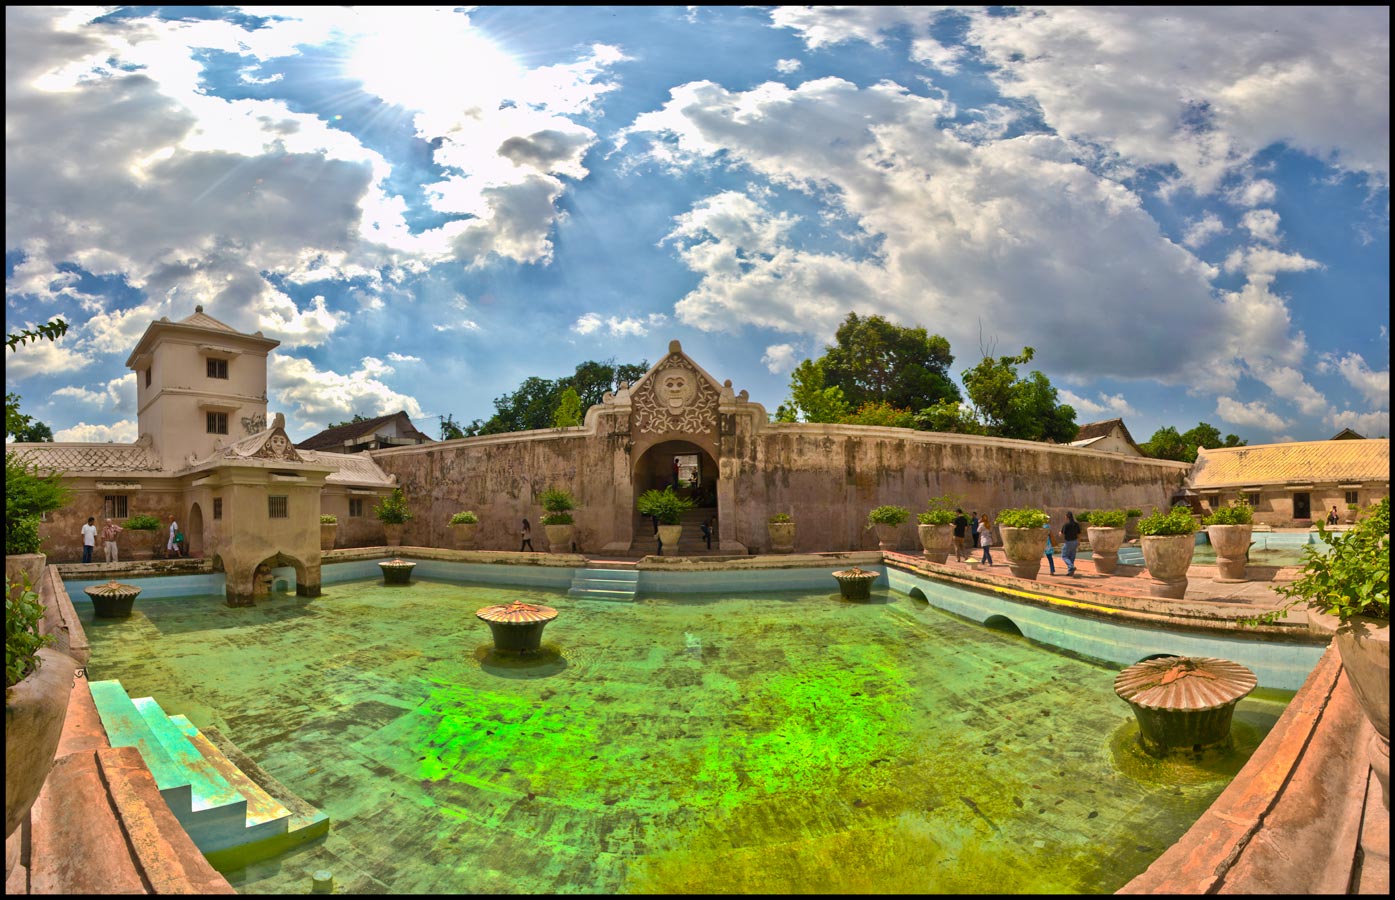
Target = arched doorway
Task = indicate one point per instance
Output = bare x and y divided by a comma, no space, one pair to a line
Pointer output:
692,472
194,532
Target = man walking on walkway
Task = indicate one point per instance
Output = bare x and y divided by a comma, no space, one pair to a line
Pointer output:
1070,537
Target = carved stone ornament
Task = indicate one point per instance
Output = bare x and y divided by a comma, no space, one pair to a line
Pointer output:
254,424
677,398
278,446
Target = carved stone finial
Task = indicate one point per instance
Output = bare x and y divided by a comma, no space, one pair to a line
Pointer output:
675,347
198,309
279,421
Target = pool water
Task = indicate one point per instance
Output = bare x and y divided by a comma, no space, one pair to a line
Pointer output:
776,742
1266,549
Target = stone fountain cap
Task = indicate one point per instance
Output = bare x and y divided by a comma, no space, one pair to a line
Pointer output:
517,612
1184,683
854,572
112,588
397,562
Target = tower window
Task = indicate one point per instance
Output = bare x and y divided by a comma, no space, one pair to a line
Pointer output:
217,368
217,423
217,507
147,376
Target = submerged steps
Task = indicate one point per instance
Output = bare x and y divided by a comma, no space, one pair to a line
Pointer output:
602,582
231,818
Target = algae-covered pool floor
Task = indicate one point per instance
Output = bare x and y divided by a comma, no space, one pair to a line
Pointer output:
778,742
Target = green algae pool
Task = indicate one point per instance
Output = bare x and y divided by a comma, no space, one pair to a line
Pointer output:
776,742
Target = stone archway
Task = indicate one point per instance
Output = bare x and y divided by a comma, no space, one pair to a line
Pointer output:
677,463
193,532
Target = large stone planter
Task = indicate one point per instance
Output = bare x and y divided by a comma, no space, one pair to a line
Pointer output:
392,534
1168,556
26,565
781,536
1365,648
668,536
888,536
1024,548
559,538
34,713
1232,543
327,533
465,534
936,541
1104,548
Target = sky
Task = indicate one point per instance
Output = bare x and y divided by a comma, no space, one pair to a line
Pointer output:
1185,211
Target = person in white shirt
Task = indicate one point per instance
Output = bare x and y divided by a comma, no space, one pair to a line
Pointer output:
171,548
89,538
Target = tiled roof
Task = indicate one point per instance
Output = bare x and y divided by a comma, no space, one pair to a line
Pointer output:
1097,429
89,458
202,319
1300,462
350,468
334,438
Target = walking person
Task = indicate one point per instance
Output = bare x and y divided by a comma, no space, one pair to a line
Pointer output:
1070,542
985,539
1332,517
961,530
89,538
109,532
527,534
1050,551
707,532
172,546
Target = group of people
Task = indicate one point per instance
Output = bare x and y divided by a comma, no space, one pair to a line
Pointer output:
175,547
977,528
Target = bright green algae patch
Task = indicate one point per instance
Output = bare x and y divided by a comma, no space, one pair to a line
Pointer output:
779,742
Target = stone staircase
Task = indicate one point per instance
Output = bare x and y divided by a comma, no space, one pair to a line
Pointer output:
689,544
231,818
606,581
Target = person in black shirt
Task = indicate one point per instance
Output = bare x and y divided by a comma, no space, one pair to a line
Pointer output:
1070,537
961,527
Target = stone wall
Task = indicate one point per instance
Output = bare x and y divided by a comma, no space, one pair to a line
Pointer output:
826,476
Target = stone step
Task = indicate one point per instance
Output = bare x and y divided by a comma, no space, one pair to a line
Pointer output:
605,584
126,727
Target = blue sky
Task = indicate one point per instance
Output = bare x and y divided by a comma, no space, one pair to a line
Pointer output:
1184,210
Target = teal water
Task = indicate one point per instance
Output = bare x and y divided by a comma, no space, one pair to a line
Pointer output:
776,742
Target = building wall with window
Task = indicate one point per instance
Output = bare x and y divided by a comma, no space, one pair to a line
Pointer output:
1297,483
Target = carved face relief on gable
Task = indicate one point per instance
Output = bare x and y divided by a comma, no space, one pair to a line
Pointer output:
677,388
676,399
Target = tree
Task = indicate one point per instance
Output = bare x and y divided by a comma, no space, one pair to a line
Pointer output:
24,429
1166,443
354,421
883,414
951,416
535,403
811,400
51,330
568,412
451,429
1013,407
873,360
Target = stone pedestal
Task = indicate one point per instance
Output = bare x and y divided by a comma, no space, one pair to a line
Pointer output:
397,571
855,583
112,600
517,626
1183,703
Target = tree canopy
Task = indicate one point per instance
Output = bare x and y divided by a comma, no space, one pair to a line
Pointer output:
24,429
536,402
1167,443
876,361
1007,405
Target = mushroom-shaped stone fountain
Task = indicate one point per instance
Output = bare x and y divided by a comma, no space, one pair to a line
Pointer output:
398,571
1183,703
112,600
855,583
517,625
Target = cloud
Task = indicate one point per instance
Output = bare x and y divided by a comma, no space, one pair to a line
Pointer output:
313,398
1113,404
1263,224
1251,415
779,358
829,25
1253,193
123,432
1201,230
117,394
1372,424
629,326
43,356
401,358
1374,386
788,66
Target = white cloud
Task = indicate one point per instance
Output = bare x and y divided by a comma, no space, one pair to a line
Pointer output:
43,356
587,324
1372,424
828,25
615,326
1203,229
123,432
1263,224
1113,404
1248,415
402,358
779,358
1374,386
1253,193
312,398
117,394
788,66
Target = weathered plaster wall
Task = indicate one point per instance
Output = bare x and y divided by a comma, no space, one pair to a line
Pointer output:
826,476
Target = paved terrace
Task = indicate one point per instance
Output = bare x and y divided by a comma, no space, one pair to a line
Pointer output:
1305,815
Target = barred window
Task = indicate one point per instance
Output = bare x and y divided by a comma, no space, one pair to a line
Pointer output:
217,507
1253,499
356,509
217,368
114,506
1351,498
278,507
217,423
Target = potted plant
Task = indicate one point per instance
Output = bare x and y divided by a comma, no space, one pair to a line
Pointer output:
1106,534
887,520
465,524
328,526
393,512
1348,591
781,528
1024,539
38,681
1351,513
1229,529
557,520
147,539
1132,516
1169,541
668,508
936,529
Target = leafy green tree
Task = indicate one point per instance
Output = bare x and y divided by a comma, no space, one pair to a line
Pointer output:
51,330
568,411
29,493
536,401
883,414
949,415
24,429
876,361
354,421
1014,407
451,429
811,400
1166,443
